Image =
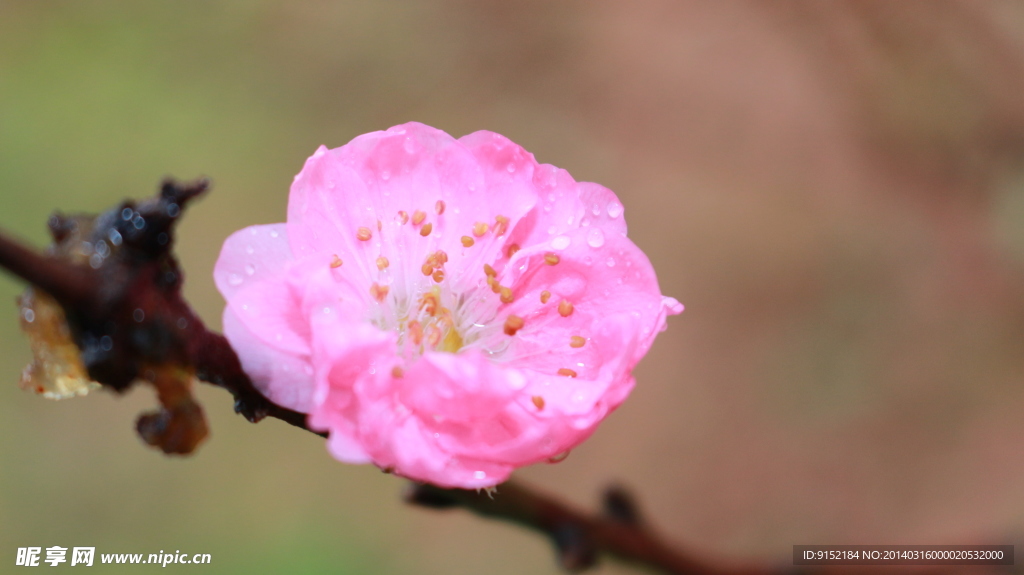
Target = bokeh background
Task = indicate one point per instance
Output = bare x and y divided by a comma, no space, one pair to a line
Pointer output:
835,191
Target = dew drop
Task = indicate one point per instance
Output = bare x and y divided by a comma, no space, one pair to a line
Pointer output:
510,167
385,175
610,262
234,280
29,315
596,210
479,475
327,310
409,146
595,238
561,242
547,208
274,234
614,210
250,269
249,250
551,197
552,230
588,260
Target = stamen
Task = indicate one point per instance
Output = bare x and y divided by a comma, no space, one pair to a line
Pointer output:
427,269
379,225
433,336
429,303
467,242
493,282
513,323
566,372
538,401
490,271
564,308
501,225
441,256
438,276
545,296
403,216
511,251
379,292
336,261
551,259
415,332
382,262
364,234
506,295
577,341
397,371
418,216
479,229
425,230
439,207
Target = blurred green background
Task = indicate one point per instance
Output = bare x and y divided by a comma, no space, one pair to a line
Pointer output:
836,192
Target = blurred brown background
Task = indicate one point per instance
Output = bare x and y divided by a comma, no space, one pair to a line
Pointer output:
835,191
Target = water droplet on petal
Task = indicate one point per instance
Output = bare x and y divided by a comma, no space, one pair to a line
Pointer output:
330,183
511,167
479,475
595,238
610,262
274,234
234,280
588,260
250,269
249,250
614,210
385,175
596,210
552,230
561,242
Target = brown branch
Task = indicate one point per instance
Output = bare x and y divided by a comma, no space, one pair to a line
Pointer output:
120,289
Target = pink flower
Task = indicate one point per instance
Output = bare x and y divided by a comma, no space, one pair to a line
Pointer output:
447,309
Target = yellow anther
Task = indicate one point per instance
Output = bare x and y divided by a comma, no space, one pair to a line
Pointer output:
500,225
439,207
442,257
379,292
416,332
426,229
467,242
363,234
538,402
490,271
577,341
567,372
382,262
511,250
438,276
479,229
397,371
418,216
403,216
513,323
427,269
564,308
429,303
336,261
545,296
495,286
551,259
506,295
